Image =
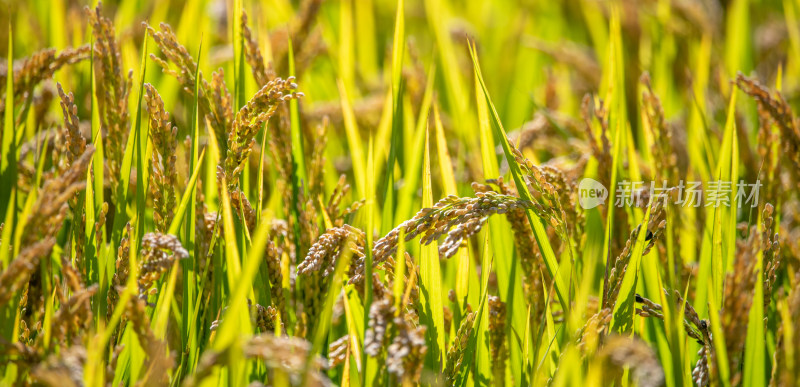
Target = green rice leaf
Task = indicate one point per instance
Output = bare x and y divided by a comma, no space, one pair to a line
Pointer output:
180,212
719,337
8,148
353,140
624,308
189,279
431,281
370,364
536,224
237,317
398,51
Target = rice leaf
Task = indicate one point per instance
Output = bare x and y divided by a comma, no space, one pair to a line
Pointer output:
398,50
238,54
622,319
353,140
412,170
189,279
180,211
536,224
8,148
128,158
477,344
431,280
719,337
237,319
721,221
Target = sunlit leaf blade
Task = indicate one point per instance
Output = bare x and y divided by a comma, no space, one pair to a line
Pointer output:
720,235
398,51
719,337
536,224
353,140
183,206
8,149
431,280
622,319
188,267
237,318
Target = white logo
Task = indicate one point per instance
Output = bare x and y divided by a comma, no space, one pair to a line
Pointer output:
592,193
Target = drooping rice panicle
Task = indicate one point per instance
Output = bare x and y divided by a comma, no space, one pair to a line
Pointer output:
768,143
594,330
289,355
305,36
265,318
219,108
410,279
280,140
16,275
381,316
66,367
50,208
122,270
33,70
98,225
253,54
113,88
75,142
615,274
691,322
163,175
598,143
338,351
455,354
737,300
323,255
214,99
781,113
159,252
74,317
242,208
628,353
250,119
321,261
306,219
771,253
272,265
176,53
665,159
333,210
497,339
72,277
530,257
406,353
459,218
316,183
546,195
75,145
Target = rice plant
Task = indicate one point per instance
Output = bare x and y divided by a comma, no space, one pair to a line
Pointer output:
393,192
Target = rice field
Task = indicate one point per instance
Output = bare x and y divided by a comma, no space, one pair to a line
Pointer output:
400,192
